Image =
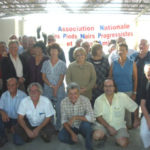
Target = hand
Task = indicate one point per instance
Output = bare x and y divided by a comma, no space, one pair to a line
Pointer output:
5,117
30,133
148,122
112,131
38,32
133,96
21,80
71,120
55,89
82,90
4,54
136,122
36,132
74,138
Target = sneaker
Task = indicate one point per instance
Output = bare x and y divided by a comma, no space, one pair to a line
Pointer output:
101,142
46,138
17,140
3,141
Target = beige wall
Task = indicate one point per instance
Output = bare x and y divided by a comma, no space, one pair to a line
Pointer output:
9,27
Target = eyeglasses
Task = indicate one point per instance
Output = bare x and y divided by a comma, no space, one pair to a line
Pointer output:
78,55
108,86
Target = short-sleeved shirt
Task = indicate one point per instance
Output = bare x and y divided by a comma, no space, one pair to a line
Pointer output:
10,105
82,107
36,115
114,114
146,95
53,72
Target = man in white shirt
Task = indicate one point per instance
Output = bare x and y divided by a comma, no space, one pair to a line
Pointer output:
34,117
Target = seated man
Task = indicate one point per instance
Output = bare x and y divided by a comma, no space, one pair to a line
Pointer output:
34,117
77,117
145,106
9,104
109,109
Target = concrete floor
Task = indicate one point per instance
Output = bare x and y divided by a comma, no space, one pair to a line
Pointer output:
38,144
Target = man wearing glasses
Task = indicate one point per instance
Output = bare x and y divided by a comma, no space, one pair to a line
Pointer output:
109,111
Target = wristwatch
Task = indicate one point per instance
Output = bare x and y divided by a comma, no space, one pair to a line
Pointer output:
134,93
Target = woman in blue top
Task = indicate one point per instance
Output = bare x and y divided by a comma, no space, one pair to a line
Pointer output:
53,72
124,73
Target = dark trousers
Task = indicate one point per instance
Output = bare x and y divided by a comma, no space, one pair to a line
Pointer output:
48,130
85,130
3,125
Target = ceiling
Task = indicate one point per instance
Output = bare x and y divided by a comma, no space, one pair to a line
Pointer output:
10,8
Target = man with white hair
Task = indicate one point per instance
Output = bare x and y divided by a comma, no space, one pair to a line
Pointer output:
77,117
34,117
114,55
145,106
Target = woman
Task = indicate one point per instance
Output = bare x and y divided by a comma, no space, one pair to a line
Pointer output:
36,62
81,72
124,72
53,71
101,66
14,66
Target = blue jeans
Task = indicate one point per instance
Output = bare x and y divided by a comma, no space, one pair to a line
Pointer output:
85,130
3,125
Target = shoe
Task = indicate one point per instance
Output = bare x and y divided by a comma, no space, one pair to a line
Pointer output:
46,138
17,140
101,142
3,141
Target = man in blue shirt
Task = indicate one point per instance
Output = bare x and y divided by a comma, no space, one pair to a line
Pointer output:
9,104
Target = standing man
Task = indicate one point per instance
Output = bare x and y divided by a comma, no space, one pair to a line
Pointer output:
142,58
9,104
34,117
145,106
109,110
71,51
77,117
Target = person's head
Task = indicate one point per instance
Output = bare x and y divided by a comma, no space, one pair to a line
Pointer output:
13,47
51,39
35,90
79,54
143,46
31,42
97,49
111,48
73,91
13,37
39,48
54,50
121,40
147,71
12,85
122,49
25,42
3,47
86,46
109,86
78,42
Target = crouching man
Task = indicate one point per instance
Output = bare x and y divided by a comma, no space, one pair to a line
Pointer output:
109,111
9,104
34,117
77,117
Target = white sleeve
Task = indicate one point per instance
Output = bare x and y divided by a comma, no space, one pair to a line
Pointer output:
50,111
21,108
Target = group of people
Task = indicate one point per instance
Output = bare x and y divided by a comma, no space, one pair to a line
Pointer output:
101,94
